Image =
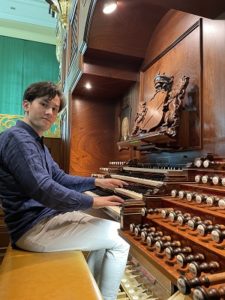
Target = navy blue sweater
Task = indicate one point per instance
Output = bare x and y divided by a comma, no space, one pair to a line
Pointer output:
32,186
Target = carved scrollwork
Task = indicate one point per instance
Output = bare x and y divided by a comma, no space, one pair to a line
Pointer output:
172,108
161,113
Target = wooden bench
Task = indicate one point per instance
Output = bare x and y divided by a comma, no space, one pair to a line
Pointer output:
45,276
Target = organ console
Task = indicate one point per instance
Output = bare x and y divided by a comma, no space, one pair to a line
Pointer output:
175,225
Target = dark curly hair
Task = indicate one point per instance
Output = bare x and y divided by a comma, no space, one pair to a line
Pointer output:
44,88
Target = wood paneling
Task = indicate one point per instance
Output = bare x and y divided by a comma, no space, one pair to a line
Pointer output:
92,135
55,148
208,8
129,100
104,88
170,27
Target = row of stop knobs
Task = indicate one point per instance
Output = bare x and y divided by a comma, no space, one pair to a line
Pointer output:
193,223
183,256
214,179
173,250
210,200
208,163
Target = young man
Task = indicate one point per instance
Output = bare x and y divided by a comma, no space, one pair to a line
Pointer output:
43,205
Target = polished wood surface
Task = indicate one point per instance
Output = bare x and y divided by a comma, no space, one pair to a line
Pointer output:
177,22
210,8
92,139
34,276
55,148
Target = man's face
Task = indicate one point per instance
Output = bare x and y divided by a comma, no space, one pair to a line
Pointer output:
41,113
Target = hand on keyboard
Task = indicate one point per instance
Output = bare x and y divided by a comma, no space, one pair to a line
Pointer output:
110,183
99,202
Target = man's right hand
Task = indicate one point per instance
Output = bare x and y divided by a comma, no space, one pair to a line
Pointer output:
99,202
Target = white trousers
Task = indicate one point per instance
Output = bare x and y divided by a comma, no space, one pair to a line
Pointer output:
79,231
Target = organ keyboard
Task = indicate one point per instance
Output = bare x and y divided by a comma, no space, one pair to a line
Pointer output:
128,193
162,170
144,179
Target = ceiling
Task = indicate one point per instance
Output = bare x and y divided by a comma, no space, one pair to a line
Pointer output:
117,43
28,19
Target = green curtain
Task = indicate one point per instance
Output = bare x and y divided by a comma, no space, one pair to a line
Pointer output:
22,63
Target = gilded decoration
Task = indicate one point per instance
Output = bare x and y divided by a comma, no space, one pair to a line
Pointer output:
59,9
7,121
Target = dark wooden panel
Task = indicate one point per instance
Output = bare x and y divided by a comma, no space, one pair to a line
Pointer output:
208,8
4,236
170,27
92,135
55,148
112,60
130,101
104,88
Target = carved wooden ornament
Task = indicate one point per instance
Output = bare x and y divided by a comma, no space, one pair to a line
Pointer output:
161,113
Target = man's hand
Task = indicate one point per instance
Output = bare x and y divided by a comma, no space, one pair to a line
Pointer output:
109,183
99,202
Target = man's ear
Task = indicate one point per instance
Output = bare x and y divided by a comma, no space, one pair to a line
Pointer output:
26,105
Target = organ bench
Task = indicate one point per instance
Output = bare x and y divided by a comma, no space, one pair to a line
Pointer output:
56,275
